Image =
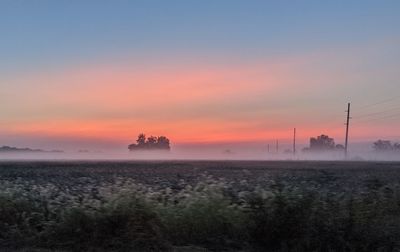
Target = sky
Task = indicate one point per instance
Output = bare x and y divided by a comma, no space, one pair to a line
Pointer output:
94,74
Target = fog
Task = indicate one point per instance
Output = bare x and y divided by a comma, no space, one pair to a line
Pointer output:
249,151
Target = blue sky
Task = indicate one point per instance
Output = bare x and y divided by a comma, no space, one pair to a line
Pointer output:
57,32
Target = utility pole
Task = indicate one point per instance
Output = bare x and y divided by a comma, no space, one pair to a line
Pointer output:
294,142
277,146
347,131
268,148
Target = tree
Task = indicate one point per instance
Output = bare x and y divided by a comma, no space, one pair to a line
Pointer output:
163,142
151,143
384,145
141,140
322,142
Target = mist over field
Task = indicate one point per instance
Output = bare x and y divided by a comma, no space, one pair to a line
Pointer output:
235,151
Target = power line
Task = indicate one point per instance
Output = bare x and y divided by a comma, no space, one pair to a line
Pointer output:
376,113
380,118
380,102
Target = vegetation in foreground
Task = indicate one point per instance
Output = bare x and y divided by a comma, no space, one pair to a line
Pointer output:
216,214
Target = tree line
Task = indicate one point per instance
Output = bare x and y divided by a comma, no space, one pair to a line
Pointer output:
385,146
326,143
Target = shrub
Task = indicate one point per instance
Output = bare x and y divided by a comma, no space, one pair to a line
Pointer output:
203,216
124,224
213,214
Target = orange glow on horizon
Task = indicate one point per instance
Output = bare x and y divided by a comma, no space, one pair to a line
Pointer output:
193,103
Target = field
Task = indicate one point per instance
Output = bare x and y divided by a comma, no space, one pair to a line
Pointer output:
199,206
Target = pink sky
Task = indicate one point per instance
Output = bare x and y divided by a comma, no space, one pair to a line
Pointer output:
197,101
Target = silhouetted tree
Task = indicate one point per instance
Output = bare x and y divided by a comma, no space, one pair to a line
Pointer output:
151,143
384,145
141,139
163,142
323,143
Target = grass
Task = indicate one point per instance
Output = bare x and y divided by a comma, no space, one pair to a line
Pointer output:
326,209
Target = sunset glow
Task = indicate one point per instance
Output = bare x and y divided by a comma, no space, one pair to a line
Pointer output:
197,93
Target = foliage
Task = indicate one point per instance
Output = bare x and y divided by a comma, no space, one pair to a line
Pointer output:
152,143
385,146
323,143
290,211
